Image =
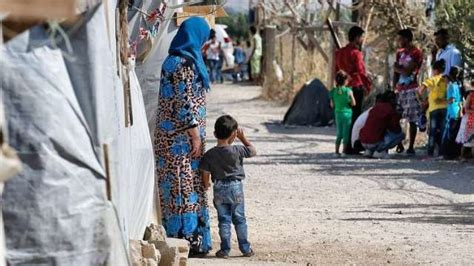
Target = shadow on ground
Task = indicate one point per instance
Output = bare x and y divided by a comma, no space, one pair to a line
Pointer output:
450,213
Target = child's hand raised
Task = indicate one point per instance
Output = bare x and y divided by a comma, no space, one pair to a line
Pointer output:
240,133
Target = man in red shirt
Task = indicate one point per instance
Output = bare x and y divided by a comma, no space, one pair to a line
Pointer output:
382,130
350,60
409,60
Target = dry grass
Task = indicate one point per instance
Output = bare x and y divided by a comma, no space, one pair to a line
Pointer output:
308,65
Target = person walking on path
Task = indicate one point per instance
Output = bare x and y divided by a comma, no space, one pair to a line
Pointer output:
213,58
350,60
408,63
180,138
447,51
256,56
224,164
342,99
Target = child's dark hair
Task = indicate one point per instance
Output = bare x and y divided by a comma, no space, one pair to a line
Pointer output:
439,65
455,73
341,78
406,33
225,126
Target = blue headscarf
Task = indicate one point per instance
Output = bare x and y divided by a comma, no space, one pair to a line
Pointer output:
191,36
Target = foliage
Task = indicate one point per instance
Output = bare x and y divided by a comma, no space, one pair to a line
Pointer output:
458,17
238,26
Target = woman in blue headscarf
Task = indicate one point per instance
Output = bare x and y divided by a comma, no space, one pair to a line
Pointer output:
180,137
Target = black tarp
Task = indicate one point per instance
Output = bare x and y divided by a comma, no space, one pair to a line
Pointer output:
311,106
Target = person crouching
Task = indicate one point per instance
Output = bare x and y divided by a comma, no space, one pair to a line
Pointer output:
382,130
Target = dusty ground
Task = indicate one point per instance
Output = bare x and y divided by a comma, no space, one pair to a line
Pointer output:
305,207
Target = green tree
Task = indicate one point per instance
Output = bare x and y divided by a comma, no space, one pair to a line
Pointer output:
238,25
458,17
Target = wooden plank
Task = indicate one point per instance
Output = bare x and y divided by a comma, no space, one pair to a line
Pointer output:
302,42
217,10
38,9
333,34
270,38
182,16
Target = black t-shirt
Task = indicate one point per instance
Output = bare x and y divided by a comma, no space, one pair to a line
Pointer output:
225,163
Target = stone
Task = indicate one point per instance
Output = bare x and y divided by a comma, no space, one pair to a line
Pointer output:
150,253
174,252
135,252
155,232
143,253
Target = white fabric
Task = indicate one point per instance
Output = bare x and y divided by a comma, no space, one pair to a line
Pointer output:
358,125
213,51
452,57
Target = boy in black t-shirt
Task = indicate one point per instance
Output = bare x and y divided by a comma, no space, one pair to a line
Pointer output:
224,164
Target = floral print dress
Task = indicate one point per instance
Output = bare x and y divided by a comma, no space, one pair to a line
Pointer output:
183,200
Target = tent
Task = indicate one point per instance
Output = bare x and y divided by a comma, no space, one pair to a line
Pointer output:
76,115
311,106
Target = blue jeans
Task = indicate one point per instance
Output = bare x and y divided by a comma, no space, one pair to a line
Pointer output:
437,123
390,140
213,64
229,202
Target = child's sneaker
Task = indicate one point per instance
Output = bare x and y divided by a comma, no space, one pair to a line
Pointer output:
249,254
222,254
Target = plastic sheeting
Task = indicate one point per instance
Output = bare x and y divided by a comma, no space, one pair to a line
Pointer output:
100,93
149,71
59,195
63,110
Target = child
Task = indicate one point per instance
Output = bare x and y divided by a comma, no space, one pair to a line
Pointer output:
436,87
224,163
466,132
239,60
453,114
342,99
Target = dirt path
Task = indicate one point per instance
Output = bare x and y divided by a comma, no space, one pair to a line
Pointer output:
306,207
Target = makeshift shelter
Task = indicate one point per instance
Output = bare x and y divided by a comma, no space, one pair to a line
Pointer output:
77,118
311,106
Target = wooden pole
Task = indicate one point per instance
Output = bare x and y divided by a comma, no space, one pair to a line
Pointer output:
270,41
293,59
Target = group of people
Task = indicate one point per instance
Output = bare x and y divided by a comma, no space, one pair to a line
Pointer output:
247,60
184,170
442,97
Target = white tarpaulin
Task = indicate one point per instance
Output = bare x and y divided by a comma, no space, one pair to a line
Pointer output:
149,71
62,110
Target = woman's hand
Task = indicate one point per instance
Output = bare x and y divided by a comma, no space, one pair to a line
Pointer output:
195,141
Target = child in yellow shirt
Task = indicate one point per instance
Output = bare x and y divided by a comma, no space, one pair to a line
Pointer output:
437,88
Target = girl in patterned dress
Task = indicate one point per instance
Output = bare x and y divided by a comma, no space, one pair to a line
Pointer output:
180,138
466,132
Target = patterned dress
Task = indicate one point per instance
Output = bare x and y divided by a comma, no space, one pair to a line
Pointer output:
182,105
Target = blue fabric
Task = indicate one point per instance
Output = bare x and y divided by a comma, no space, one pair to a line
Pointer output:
390,140
437,123
454,92
191,36
229,202
239,55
